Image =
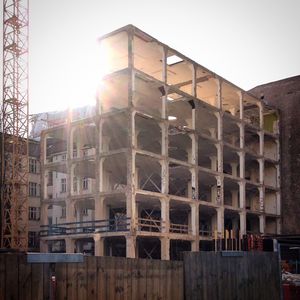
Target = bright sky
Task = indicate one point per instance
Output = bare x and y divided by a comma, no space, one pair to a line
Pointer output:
247,42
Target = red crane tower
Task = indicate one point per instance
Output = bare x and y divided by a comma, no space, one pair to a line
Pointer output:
14,150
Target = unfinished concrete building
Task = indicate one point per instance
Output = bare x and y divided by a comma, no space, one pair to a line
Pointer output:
174,156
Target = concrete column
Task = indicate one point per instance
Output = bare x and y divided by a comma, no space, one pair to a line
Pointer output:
261,143
195,218
213,132
234,168
242,164
235,198
219,93
213,160
261,170
99,245
130,246
44,185
100,209
70,245
262,224
165,214
44,214
241,104
261,199
242,200
220,220
70,211
44,246
242,223
165,248
131,174
164,176
194,188
195,245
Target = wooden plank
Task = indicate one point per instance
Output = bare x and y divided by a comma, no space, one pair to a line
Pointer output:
169,279
37,282
61,280
92,277
46,281
128,274
2,276
72,292
177,281
119,278
101,278
156,280
149,279
11,276
82,280
162,281
25,277
135,277
142,279
110,278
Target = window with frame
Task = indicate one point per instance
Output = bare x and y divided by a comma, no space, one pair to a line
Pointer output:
63,212
75,184
34,189
50,179
33,166
63,185
85,183
34,213
33,239
64,157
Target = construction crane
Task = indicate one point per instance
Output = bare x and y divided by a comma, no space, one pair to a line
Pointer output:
14,148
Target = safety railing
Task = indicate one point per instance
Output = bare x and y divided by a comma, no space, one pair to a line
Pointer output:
152,225
95,226
179,228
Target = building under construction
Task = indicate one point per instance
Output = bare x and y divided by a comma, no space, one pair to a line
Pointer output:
175,158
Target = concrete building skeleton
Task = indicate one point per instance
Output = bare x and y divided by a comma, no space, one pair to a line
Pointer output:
174,155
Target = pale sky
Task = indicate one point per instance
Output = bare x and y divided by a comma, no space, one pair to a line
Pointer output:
248,42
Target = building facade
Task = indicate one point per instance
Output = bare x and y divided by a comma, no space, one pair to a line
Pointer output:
174,158
34,195
285,95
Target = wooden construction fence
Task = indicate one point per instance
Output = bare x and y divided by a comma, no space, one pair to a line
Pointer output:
232,275
96,278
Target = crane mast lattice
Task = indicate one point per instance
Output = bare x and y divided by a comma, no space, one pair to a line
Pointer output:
14,156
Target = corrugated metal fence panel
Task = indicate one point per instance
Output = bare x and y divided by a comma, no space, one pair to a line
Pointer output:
96,278
209,275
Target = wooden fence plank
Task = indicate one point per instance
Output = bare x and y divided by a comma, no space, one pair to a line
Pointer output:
92,277
101,277
149,279
37,282
61,281
135,279
11,276
110,279
128,271
2,276
142,280
72,291
25,277
120,273
82,280
46,281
